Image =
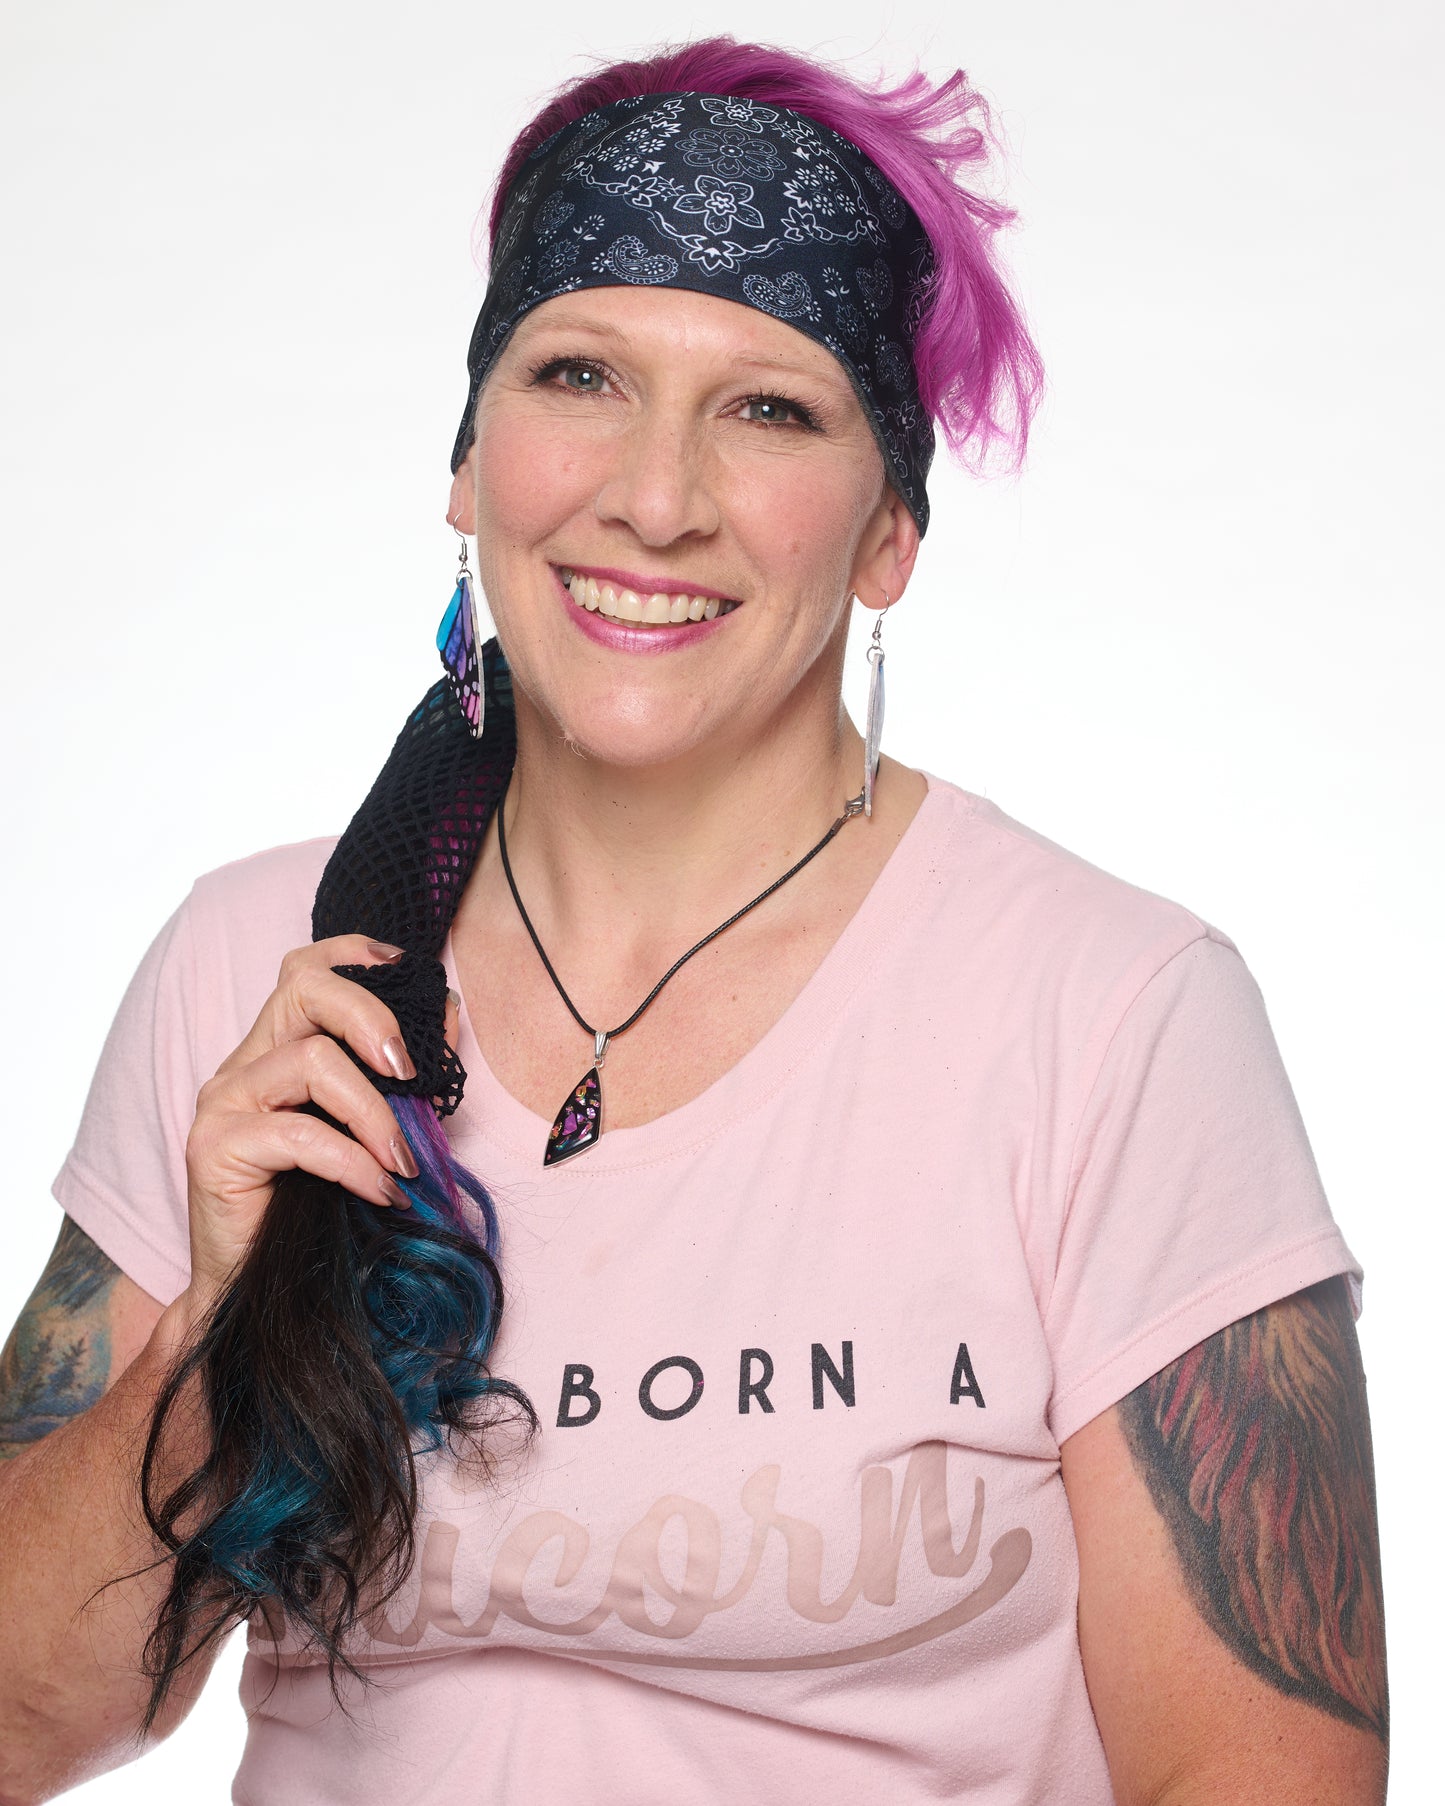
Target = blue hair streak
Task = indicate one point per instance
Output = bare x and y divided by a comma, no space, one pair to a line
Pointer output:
447,1294
351,1342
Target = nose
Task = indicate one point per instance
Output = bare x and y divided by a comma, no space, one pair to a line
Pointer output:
659,482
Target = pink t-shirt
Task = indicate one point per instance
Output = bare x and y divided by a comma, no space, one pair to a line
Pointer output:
804,1350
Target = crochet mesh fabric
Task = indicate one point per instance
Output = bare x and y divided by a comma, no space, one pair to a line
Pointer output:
398,872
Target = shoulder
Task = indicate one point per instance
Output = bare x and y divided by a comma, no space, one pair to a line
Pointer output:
1049,916
230,935
261,896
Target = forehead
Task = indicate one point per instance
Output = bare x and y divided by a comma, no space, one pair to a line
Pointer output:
658,321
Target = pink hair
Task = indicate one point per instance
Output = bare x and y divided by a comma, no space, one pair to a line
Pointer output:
979,372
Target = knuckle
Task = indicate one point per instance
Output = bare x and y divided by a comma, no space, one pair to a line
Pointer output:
291,960
205,1141
303,984
323,1058
300,1134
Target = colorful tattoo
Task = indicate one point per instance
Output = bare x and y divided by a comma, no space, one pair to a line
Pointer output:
57,1359
1256,1448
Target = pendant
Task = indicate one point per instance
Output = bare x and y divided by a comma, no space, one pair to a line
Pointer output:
579,1121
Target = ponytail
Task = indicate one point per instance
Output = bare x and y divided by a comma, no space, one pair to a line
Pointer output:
351,1340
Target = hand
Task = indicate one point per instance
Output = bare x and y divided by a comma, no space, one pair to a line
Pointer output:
248,1127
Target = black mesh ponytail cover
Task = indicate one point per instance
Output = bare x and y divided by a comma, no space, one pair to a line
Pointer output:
399,870
350,1339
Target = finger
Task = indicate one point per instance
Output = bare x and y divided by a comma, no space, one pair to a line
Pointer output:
258,1146
313,1071
311,999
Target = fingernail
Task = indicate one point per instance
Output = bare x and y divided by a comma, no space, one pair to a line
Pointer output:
397,1058
403,1161
391,1191
453,998
381,950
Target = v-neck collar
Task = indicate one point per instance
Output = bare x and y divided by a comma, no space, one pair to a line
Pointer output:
491,1115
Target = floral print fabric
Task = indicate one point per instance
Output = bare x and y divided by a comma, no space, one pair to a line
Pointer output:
729,197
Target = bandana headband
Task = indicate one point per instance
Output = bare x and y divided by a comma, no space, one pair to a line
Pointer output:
727,197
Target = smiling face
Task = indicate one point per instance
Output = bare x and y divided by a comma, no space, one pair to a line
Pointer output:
667,444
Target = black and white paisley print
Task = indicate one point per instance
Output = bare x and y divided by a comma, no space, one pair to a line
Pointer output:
728,197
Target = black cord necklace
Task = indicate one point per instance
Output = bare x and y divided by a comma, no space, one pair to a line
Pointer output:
579,1122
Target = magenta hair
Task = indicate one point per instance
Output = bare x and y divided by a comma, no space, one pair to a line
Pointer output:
979,372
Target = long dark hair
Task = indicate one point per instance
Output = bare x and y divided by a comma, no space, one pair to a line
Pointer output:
351,1339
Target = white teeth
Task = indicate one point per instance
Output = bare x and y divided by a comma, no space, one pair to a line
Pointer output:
656,610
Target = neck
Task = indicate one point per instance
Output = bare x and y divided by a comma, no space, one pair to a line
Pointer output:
667,851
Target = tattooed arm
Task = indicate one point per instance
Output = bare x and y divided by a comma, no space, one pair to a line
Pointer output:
84,1321
78,1379
1230,1614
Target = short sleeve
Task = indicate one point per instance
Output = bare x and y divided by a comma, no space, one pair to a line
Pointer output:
124,1180
1194,1198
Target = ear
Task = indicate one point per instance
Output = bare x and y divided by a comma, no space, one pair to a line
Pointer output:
462,503
886,553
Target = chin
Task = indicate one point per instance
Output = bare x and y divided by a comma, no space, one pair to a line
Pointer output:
626,750
635,727
632,721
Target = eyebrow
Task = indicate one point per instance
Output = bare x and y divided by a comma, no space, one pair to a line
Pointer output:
605,329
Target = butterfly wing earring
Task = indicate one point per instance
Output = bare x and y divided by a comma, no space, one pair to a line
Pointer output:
873,724
460,644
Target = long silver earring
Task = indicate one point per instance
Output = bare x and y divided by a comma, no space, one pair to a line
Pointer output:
873,725
458,645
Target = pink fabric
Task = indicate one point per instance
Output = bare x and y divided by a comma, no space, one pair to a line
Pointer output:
1022,1139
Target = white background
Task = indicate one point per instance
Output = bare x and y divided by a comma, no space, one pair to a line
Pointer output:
1198,642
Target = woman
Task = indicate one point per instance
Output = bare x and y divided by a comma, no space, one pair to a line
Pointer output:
903,1330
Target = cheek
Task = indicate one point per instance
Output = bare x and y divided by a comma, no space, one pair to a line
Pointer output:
802,524
528,480
792,521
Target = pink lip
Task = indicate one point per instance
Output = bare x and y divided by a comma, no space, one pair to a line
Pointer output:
647,586
621,636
